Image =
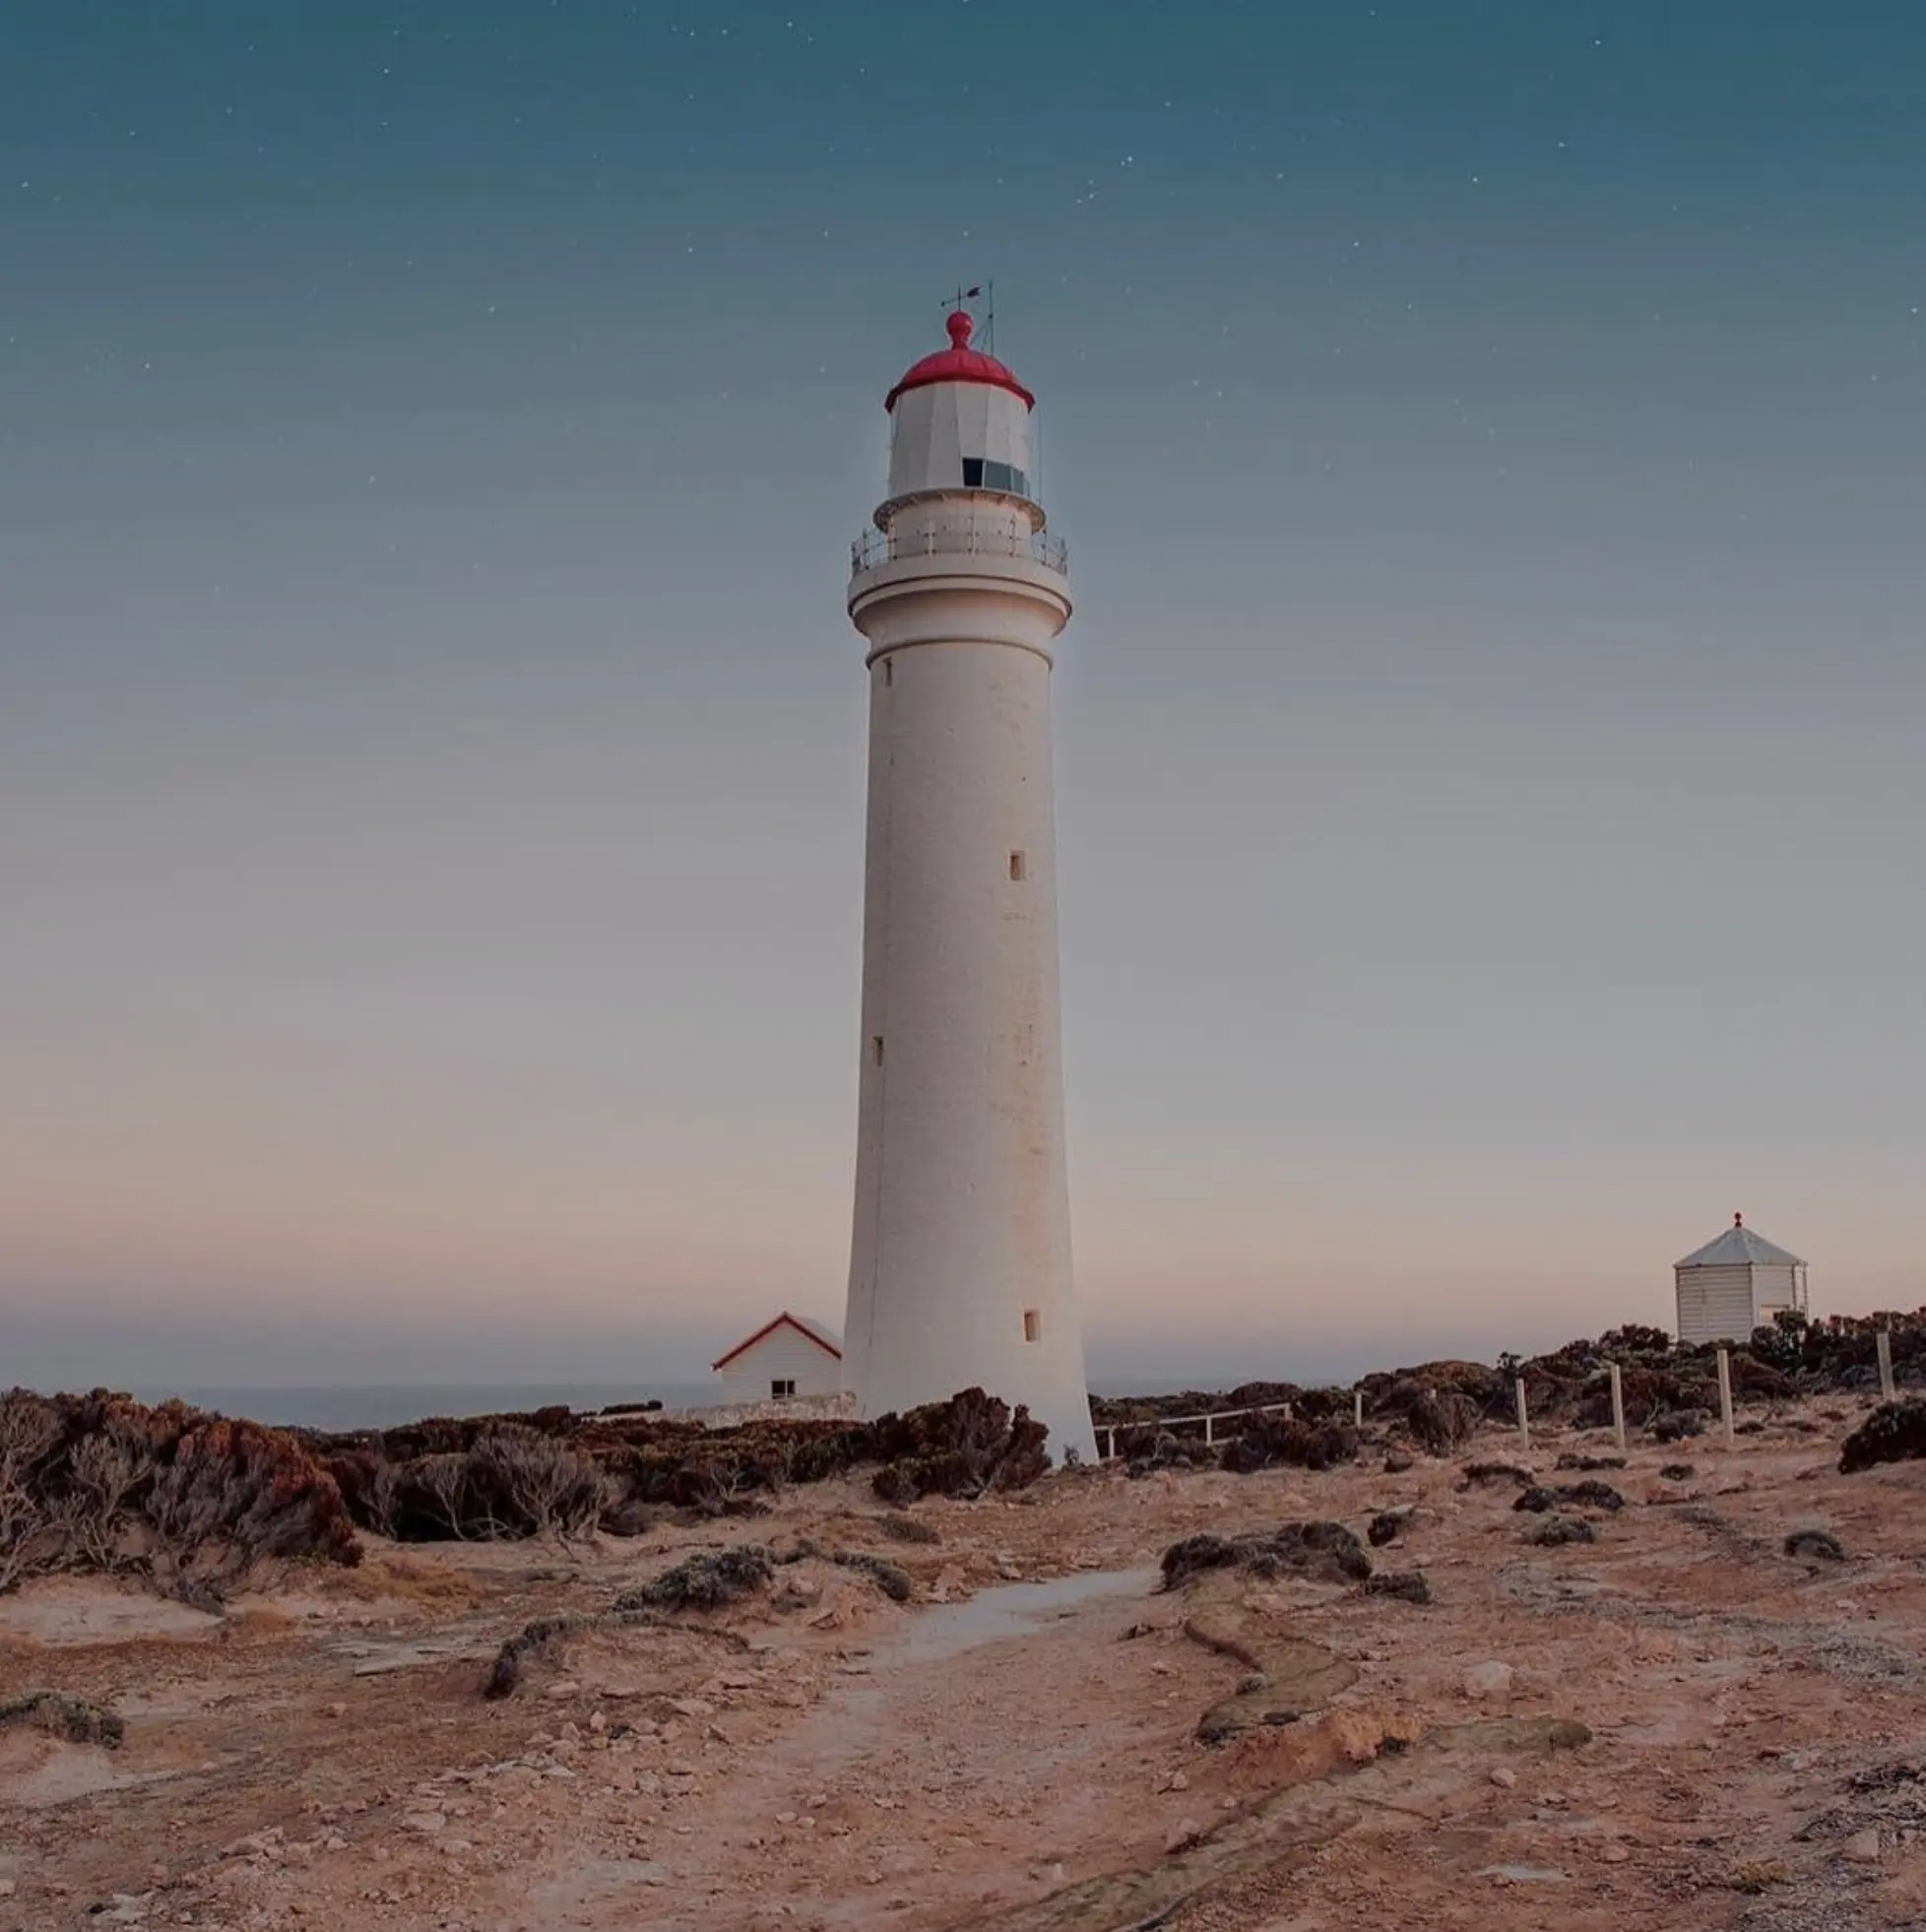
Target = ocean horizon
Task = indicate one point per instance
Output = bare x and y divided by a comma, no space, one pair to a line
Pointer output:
341,1408
376,1406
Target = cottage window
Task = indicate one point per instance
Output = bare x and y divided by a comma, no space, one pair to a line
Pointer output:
780,1388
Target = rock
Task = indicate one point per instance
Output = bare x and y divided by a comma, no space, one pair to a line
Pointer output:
429,1822
1505,1778
1488,1680
1862,1848
1178,1781
1388,1526
1397,1463
598,1722
1186,1833
7,1888
336,1710
1615,1854
562,1689
1477,1475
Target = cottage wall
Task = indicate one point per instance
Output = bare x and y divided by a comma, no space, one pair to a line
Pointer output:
784,1354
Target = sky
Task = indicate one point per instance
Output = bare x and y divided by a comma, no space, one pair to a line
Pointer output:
432,744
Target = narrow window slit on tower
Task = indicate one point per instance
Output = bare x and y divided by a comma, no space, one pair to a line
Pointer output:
1019,867
890,671
1032,1324
876,1047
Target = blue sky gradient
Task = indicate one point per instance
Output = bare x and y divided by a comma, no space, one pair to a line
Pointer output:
432,744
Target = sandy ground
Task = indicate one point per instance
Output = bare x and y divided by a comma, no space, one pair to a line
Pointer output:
1016,1747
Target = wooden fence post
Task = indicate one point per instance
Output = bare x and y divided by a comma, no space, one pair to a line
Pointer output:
1524,1420
1725,1397
1887,1391
1618,1407
1207,1437
1357,1408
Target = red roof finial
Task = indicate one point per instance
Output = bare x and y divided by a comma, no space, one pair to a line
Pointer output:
1738,1220
960,328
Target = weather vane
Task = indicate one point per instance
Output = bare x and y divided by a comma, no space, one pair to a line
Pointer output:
988,291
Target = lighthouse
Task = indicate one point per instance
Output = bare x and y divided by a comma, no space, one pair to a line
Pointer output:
960,1256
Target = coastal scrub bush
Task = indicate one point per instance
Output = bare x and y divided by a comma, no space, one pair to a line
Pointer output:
1323,1551
704,1582
967,1447
1895,1431
538,1638
508,1484
551,1470
1271,1442
72,1719
188,1502
889,1578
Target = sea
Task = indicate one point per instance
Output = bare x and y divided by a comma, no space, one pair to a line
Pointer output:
340,1408
376,1408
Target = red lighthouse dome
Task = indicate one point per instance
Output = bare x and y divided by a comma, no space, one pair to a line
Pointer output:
959,362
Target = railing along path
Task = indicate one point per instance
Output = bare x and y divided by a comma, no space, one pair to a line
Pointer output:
1107,1432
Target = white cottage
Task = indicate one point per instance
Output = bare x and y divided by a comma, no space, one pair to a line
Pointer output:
785,1359
1736,1284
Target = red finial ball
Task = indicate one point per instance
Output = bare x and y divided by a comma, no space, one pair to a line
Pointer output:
1738,1220
960,328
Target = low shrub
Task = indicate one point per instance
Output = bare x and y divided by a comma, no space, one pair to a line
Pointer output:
704,1582
188,1502
1323,1551
1895,1431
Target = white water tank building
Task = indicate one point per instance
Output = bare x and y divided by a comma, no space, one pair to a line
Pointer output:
960,1248
1734,1285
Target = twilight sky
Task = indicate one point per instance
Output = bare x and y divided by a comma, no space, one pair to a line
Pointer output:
1491,739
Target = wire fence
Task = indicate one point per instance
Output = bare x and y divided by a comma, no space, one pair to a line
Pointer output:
1107,1432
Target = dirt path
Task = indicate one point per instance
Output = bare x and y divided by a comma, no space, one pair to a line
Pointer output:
1753,1726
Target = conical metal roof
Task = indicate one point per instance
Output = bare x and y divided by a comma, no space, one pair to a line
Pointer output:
1737,1247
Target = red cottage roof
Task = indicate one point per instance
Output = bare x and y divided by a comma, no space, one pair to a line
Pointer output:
959,362
784,1321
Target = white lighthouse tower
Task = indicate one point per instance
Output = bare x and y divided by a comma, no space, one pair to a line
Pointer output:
960,1259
